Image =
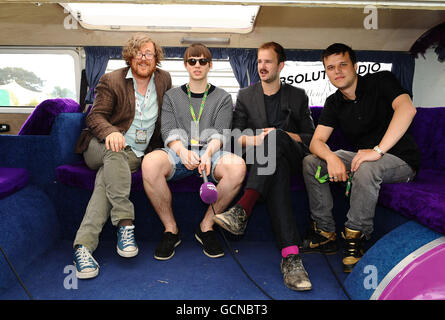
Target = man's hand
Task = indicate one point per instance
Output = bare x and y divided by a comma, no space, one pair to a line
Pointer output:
362,156
115,141
190,159
206,164
336,168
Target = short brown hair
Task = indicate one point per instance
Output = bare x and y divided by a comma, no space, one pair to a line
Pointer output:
197,50
134,44
279,50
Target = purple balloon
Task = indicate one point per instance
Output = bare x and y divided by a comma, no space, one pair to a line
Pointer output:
208,192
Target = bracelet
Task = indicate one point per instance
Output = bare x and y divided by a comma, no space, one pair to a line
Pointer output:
378,150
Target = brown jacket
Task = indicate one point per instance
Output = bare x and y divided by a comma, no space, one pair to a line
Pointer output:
114,108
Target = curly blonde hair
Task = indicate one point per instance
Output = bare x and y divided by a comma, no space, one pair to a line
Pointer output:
134,44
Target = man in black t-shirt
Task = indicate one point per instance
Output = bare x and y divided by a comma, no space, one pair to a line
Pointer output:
280,115
374,113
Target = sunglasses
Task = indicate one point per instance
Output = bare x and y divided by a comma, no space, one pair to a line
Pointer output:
201,61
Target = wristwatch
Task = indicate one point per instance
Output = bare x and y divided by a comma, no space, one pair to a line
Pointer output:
378,150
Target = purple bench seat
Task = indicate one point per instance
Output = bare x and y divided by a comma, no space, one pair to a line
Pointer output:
79,175
12,180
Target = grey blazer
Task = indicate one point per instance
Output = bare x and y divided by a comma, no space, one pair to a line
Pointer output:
250,111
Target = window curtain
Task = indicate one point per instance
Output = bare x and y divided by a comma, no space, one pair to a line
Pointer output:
96,64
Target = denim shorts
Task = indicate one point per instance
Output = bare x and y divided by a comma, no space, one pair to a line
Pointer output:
181,172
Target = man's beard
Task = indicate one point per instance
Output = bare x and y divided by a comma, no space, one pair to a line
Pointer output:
143,74
272,77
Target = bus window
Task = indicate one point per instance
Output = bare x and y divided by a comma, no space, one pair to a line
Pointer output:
29,76
221,75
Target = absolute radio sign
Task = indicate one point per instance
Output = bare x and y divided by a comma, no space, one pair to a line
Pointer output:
312,77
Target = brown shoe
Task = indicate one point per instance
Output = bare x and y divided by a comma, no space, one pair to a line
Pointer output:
234,220
353,248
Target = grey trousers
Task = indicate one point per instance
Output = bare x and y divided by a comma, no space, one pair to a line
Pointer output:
111,193
364,190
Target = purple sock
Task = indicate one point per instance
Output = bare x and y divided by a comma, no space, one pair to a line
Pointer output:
289,250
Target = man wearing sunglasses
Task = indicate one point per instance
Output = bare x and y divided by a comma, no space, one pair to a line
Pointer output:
194,119
280,115
122,126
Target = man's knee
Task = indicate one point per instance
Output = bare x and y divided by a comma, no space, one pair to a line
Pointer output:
231,167
154,165
367,173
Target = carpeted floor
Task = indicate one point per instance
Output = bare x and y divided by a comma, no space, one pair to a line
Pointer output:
189,275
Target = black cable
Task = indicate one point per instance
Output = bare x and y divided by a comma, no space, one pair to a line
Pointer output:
239,263
16,274
336,278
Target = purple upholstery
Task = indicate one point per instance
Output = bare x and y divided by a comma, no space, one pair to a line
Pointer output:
79,175
422,199
41,119
12,180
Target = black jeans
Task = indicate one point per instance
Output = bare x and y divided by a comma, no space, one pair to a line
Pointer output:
275,187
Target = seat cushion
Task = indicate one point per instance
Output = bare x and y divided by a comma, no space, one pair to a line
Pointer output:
422,199
12,180
79,175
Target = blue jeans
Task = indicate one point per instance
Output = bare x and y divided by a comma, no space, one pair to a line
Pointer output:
181,172
364,191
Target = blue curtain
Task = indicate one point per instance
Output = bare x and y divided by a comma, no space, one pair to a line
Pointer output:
96,64
244,66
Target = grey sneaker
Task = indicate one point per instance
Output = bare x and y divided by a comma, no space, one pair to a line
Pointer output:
294,275
234,220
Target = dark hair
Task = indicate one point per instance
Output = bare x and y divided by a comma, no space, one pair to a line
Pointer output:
338,48
279,50
197,50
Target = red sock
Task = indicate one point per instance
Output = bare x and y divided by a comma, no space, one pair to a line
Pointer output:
248,200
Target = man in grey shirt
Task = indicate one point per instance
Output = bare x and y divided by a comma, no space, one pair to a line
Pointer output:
193,120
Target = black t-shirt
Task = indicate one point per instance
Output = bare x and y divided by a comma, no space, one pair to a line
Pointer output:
275,117
365,120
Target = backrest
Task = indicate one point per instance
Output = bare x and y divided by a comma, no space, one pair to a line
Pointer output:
428,129
40,121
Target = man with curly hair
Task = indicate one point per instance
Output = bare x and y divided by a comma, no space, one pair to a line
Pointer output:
122,126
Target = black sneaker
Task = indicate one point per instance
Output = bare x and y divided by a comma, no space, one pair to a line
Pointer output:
210,243
166,247
234,220
319,241
352,249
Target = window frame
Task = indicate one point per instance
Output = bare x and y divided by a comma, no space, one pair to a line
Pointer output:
74,52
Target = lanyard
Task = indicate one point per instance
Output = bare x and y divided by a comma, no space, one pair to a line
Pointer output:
203,101
138,106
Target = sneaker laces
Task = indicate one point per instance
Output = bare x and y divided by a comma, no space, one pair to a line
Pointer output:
84,258
126,236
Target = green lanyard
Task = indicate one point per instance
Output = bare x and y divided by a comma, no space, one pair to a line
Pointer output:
326,178
203,101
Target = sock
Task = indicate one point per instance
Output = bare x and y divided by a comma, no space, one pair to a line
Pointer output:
248,200
289,250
